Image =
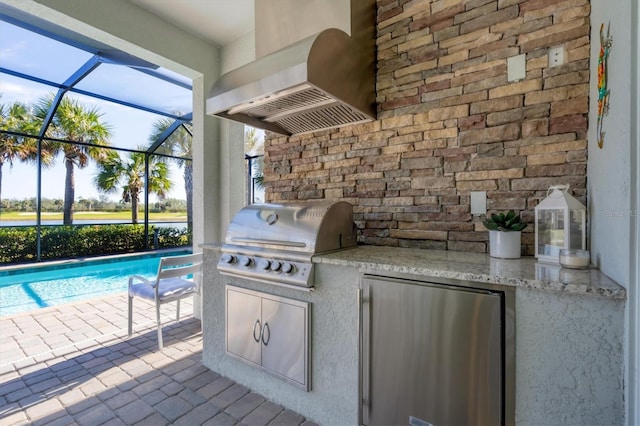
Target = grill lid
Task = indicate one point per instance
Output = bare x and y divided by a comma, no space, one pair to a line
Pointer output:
304,228
274,243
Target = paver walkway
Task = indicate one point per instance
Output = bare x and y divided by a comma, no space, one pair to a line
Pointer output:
74,365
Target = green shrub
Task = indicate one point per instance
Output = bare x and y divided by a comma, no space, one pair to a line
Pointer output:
18,244
171,237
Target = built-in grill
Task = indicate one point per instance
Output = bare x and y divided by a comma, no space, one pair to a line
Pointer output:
276,242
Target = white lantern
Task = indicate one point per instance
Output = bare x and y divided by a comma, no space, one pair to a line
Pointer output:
560,224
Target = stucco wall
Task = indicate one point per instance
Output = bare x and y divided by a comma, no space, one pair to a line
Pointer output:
613,173
633,304
238,53
609,170
569,359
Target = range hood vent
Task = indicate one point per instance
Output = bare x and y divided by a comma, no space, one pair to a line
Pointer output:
320,82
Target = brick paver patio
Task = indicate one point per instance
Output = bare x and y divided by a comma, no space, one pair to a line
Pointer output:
74,365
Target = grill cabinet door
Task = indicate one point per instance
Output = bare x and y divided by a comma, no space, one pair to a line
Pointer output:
244,325
269,332
284,349
432,354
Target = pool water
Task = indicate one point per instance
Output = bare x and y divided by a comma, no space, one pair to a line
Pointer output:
41,287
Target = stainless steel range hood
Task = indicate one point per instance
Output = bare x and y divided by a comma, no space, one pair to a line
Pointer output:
322,81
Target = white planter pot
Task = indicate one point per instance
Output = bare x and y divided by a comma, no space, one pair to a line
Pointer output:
505,245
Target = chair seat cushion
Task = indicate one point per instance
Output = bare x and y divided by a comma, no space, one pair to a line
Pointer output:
170,288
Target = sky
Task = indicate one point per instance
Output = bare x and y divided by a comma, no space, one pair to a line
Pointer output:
31,54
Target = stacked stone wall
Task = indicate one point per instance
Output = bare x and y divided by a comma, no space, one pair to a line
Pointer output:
450,123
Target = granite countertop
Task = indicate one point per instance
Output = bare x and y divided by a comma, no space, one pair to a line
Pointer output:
525,272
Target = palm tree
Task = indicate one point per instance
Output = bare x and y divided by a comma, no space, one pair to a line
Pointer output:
17,117
178,145
129,174
74,122
253,144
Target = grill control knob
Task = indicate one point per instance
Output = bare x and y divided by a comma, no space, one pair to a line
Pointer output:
288,268
246,261
264,264
228,258
275,266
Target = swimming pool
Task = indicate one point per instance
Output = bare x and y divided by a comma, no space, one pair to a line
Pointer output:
27,289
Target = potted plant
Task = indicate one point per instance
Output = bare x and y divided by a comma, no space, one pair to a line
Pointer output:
504,234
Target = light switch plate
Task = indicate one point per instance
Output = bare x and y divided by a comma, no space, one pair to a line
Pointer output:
516,68
478,202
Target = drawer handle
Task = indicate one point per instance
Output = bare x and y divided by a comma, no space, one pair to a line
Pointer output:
266,332
257,338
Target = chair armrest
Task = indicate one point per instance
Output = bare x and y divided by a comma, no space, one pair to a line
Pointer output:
142,280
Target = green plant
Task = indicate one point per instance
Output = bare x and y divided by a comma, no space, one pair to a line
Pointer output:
504,222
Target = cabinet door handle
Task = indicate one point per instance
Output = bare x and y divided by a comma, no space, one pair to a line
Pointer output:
266,332
257,339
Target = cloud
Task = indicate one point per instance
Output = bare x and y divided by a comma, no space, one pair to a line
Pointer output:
7,54
15,92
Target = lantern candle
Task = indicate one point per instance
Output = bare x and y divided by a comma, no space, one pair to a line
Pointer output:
575,259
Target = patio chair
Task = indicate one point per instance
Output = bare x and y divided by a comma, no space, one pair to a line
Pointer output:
178,277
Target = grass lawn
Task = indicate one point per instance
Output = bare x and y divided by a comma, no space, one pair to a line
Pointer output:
97,216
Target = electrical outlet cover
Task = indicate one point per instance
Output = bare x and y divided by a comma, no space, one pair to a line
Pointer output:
556,56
